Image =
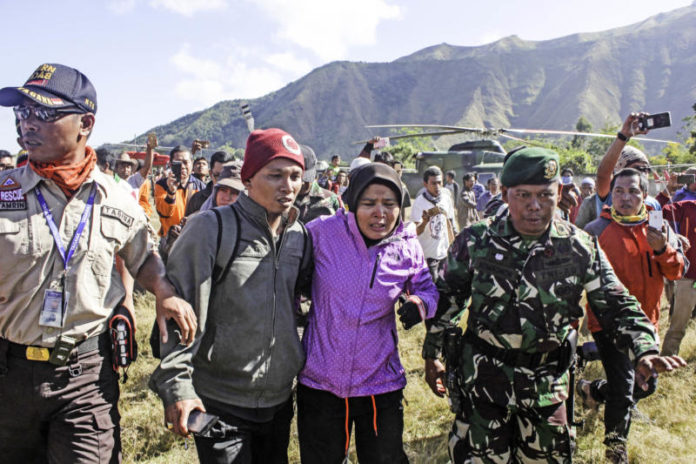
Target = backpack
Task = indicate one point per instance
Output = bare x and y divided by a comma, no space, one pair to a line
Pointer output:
226,254
230,225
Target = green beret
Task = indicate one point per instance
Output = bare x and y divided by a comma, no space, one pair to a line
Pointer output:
533,166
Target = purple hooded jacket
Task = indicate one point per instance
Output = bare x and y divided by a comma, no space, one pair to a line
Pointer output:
351,338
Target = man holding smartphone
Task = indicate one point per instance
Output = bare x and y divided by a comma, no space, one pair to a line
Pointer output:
172,193
643,251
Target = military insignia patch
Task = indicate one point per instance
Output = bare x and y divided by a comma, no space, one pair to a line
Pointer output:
550,169
9,183
116,213
12,199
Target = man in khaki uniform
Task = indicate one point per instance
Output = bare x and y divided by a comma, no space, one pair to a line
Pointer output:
62,222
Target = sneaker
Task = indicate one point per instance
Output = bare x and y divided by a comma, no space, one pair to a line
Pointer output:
583,389
617,455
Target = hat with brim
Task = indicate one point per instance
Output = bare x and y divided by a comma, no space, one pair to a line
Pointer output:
54,86
125,158
230,176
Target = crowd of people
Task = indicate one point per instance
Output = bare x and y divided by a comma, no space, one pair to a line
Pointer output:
279,280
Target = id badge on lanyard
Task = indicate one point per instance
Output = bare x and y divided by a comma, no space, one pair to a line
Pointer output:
55,302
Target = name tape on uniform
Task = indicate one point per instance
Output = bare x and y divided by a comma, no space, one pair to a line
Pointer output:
117,214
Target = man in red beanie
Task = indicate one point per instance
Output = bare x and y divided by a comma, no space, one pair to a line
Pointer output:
239,266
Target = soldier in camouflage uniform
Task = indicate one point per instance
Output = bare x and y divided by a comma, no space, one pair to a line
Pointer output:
313,201
522,277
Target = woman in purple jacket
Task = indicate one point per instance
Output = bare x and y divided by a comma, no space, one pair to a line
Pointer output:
365,260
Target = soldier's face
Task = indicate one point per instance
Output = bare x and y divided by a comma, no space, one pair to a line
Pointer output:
378,211
531,207
627,196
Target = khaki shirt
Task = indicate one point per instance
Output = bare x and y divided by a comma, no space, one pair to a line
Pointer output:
30,261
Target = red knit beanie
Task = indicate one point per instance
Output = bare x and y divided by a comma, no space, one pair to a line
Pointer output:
263,146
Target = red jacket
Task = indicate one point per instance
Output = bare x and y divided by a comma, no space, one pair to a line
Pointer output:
682,216
635,262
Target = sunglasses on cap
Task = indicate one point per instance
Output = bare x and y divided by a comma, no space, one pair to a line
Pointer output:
44,113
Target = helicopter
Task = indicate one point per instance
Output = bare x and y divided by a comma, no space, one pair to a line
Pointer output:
484,155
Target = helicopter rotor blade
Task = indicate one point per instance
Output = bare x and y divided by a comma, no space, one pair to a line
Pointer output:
408,136
428,126
527,141
581,134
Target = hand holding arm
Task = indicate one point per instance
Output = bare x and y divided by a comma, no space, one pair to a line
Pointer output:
168,304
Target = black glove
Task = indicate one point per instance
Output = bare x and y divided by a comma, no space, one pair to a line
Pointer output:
411,312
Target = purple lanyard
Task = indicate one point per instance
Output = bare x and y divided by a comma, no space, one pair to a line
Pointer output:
54,229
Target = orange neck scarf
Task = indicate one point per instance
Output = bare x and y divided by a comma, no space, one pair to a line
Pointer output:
68,177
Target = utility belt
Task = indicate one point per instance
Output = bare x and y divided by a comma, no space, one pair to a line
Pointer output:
562,355
117,343
41,354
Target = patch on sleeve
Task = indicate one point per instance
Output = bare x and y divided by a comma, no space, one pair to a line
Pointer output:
9,183
11,196
116,213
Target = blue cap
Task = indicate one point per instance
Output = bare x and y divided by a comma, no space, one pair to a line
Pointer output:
54,86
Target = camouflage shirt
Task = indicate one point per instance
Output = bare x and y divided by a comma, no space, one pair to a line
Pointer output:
525,294
317,202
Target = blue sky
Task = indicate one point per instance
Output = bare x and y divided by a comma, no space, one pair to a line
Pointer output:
153,61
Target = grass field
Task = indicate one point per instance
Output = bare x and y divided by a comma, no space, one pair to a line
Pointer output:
669,437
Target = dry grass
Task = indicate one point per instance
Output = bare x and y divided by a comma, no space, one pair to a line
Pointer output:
669,439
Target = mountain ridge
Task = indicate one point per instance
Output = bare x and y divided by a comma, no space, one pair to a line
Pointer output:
511,82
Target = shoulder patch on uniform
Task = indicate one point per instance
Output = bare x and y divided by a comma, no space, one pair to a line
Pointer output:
11,196
116,213
9,183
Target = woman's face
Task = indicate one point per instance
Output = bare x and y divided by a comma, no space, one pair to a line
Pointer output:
377,212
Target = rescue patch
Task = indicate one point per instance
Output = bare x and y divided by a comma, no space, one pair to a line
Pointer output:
12,200
116,213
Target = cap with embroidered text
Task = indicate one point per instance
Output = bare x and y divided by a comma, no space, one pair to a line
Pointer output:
54,86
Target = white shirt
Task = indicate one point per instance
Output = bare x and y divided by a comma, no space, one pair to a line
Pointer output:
434,239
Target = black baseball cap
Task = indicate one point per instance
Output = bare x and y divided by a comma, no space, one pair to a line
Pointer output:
54,86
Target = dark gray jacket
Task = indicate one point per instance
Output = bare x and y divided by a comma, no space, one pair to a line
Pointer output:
246,352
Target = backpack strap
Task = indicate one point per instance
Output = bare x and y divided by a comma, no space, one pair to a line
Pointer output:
228,224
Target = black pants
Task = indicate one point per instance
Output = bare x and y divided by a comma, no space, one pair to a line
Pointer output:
51,414
619,391
324,422
240,441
